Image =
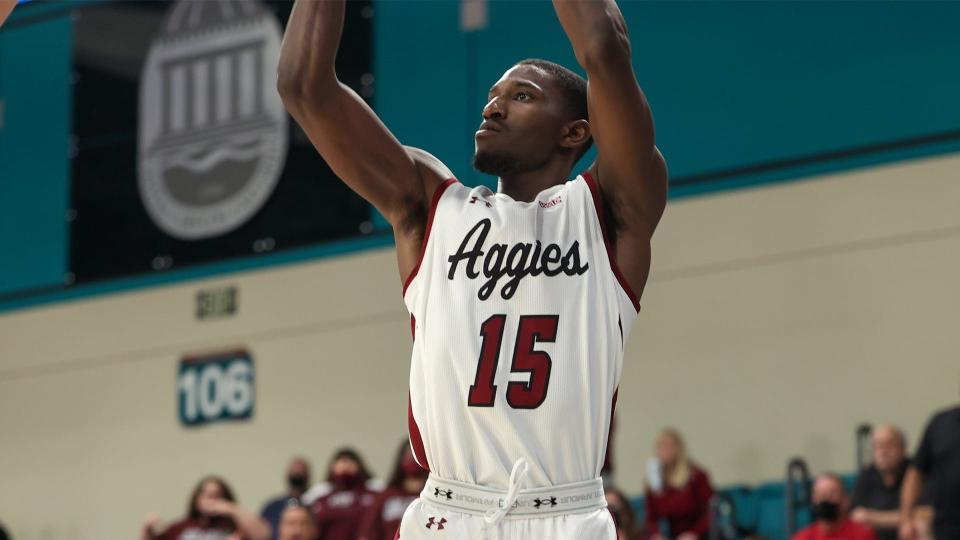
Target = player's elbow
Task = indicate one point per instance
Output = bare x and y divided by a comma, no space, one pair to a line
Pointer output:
299,91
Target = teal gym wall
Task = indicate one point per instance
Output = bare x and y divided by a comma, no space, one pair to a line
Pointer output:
744,93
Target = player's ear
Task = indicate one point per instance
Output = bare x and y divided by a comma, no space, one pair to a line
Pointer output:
575,133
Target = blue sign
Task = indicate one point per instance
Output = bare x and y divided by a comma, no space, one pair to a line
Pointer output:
215,388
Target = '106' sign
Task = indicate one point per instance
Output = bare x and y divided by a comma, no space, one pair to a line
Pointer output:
215,388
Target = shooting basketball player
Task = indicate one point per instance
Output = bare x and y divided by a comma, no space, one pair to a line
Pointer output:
521,299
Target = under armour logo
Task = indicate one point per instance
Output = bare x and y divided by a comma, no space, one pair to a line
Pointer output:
473,200
537,503
433,521
448,493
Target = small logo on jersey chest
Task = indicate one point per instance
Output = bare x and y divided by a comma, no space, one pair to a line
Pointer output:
551,203
514,262
475,200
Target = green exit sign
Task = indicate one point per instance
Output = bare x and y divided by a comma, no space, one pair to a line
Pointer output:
214,303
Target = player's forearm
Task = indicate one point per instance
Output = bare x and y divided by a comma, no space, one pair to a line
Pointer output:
596,30
910,492
309,51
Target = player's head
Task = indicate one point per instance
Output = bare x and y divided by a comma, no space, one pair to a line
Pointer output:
829,497
346,469
296,523
535,113
209,488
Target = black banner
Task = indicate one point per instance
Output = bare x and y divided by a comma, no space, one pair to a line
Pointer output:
183,153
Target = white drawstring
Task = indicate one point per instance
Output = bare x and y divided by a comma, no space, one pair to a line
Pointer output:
517,476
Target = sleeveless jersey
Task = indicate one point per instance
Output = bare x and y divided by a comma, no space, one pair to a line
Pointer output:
519,317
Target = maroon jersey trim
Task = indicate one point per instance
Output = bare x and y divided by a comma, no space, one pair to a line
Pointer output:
598,204
426,234
416,441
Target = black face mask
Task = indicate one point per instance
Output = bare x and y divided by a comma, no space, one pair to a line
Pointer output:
297,482
826,511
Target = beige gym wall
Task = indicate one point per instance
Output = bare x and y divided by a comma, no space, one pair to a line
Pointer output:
776,320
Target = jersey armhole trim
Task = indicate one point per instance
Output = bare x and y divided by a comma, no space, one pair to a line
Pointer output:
611,256
426,234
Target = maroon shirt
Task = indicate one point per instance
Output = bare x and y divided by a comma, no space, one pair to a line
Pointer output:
338,513
686,509
846,530
188,529
382,519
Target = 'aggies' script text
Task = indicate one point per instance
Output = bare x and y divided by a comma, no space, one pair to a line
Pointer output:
516,262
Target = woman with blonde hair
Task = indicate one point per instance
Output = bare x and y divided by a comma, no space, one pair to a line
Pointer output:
677,491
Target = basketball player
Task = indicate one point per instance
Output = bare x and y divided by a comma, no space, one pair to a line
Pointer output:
521,299
6,6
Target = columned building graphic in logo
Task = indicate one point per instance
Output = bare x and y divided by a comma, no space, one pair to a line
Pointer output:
213,131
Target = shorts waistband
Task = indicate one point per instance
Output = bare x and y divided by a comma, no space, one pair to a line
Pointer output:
474,499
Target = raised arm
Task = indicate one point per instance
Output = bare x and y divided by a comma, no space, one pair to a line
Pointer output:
347,133
629,168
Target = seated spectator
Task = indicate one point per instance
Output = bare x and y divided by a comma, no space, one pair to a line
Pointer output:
382,519
298,478
623,516
296,522
677,491
212,515
876,497
339,503
830,507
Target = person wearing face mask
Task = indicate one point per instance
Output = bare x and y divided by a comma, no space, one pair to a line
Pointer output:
338,504
212,514
382,519
830,507
677,492
298,479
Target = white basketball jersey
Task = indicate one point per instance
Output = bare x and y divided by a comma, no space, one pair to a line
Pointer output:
520,319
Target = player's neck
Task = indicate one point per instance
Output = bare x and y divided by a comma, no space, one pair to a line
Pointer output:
526,186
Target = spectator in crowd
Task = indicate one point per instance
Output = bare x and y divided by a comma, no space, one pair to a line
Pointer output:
296,522
212,514
876,497
3,533
830,507
677,491
339,503
298,479
937,458
623,516
382,519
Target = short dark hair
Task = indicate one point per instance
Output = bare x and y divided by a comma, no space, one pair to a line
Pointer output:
572,86
352,455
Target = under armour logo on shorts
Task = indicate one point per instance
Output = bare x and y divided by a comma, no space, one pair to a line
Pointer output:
433,521
537,503
448,493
